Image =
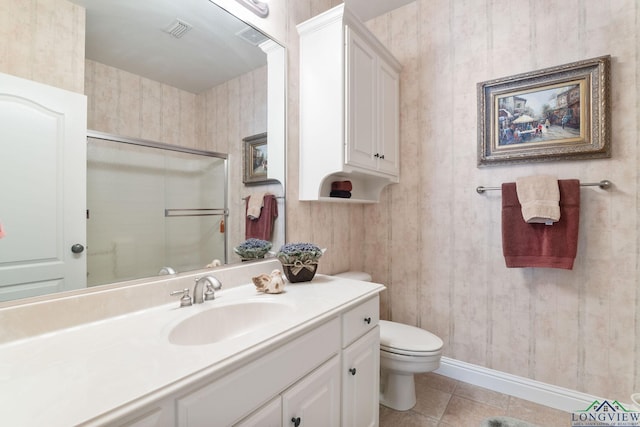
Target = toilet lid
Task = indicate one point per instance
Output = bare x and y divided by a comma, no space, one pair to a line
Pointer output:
406,339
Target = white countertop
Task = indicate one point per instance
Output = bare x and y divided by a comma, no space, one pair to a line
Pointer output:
113,366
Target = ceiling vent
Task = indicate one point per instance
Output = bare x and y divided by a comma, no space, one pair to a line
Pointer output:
252,36
178,28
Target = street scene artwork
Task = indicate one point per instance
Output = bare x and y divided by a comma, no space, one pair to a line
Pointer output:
549,114
556,113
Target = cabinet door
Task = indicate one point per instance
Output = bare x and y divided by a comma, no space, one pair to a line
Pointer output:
315,400
389,122
270,415
361,110
361,385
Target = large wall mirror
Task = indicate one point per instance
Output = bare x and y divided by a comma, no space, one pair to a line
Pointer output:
184,74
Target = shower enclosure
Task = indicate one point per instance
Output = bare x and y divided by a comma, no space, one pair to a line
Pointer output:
152,208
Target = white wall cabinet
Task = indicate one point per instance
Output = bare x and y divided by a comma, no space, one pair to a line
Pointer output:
349,109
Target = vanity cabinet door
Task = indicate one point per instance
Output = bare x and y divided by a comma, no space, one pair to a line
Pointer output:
270,415
361,381
315,400
231,398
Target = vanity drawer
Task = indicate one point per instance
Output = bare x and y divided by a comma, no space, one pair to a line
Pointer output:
360,320
232,397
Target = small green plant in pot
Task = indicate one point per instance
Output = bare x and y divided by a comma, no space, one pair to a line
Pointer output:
252,249
299,260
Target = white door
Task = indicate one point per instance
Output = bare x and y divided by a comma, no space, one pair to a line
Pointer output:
42,188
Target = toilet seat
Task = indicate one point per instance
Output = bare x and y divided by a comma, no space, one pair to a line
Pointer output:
408,340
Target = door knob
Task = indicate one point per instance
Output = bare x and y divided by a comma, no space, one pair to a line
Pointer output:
77,248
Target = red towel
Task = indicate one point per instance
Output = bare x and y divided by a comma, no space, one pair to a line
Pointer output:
262,227
540,245
341,186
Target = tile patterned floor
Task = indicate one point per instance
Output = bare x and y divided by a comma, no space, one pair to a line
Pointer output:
445,402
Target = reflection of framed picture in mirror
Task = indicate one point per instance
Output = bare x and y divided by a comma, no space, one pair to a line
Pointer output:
559,113
255,159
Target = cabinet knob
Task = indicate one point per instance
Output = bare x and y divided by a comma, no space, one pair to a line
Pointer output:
295,421
367,320
382,156
377,155
352,371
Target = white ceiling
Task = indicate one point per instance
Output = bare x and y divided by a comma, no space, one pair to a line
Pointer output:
129,35
367,9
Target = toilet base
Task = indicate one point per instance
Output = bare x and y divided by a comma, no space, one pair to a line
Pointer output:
398,391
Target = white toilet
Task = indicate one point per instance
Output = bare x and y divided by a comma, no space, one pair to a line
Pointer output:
404,351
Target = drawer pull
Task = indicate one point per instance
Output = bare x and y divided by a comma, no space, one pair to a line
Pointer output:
352,371
367,320
295,421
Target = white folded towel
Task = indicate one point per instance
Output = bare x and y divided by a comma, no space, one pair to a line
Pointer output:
254,205
539,196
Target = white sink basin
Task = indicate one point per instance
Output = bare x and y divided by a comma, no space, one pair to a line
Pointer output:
222,322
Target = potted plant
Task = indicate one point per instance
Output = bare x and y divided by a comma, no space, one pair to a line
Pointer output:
299,260
252,249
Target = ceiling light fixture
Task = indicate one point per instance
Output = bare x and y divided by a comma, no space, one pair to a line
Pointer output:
258,7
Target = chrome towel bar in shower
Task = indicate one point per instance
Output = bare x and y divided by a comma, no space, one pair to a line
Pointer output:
195,212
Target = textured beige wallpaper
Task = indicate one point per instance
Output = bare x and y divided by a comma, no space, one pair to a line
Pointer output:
35,34
442,250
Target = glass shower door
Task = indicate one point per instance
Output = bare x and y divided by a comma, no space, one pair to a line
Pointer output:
151,207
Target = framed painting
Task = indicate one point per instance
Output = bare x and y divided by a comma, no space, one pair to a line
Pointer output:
558,113
255,159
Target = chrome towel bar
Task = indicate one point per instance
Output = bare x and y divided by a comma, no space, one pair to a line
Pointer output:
605,184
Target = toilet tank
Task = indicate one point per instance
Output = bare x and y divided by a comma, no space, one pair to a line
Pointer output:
354,275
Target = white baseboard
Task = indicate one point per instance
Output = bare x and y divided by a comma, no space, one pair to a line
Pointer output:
535,391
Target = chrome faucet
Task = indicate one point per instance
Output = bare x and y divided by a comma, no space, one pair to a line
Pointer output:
205,288
166,270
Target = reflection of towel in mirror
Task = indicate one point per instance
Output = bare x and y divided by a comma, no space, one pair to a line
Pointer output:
262,227
254,205
538,245
539,197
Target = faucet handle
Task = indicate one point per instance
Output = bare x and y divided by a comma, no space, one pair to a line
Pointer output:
209,293
185,300
211,286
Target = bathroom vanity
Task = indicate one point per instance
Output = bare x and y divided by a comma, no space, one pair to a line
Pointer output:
308,356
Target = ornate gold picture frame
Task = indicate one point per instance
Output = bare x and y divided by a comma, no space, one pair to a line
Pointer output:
558,113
